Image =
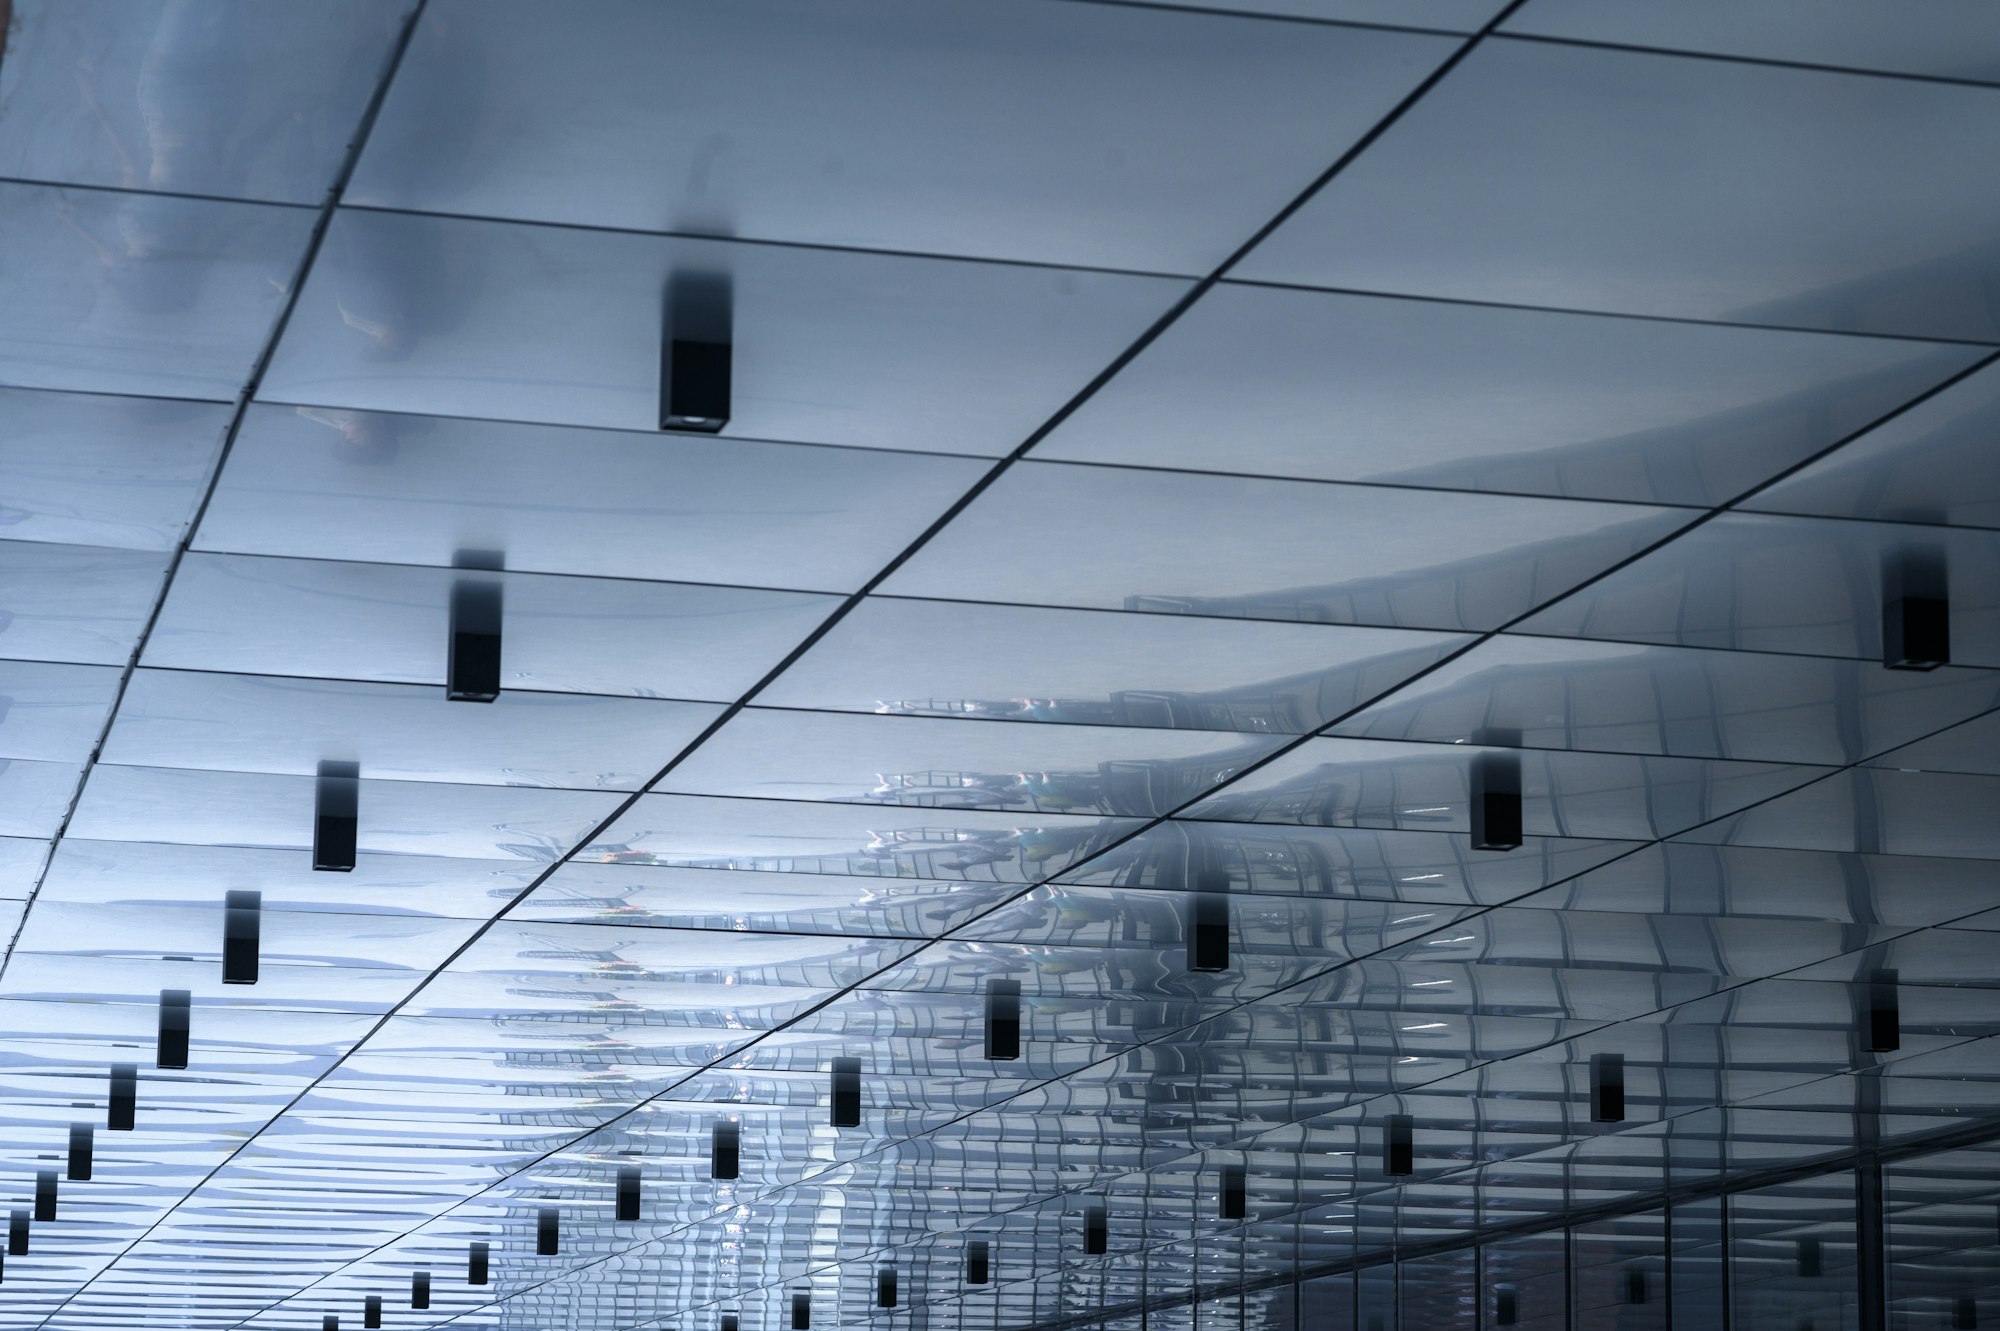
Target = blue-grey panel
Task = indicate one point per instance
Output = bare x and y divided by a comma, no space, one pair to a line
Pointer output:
239,98
1637,183
935,762
994,662
253,723
1933,463
1369,783
1641,698
494,319
646,639
1873,811
1463,16
421,489
1182,543
1354,388
1939,38
1057,133
135,293
75,602
1763,583
117,471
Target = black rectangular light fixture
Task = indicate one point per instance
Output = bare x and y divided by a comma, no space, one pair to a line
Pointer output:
1916,610
729,1322
802,1310
1506,1307
1233,1200
242,936
548,1231
1636,1291
697,350
1096,1229
1398,1146
475,1264
329,1323
1916,632
1882,1031
1496,801
1965,1314
978,1262
628,1193
885,1287
171,1049
725,1148
122,1110
336,816
45,1194
420,1290
371,1312
17,1233
846,1093
695,385
82,1137
1607,1088
472,663
1808,1260
1003,1020
1207,931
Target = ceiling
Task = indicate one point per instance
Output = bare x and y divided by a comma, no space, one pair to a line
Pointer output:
1168,447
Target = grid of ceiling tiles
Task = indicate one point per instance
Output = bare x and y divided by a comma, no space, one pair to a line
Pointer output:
1038,576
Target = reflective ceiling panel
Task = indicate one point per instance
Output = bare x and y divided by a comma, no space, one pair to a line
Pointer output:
991,662
124,472
1239,547
1151,141
1539,174
1467,397
560,325
562,634
222,97
1952,41
1931,464
1532,613
138,293
674,507
1462,16
1749,582
1698,703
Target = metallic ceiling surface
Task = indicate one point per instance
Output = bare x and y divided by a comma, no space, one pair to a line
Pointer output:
1171,447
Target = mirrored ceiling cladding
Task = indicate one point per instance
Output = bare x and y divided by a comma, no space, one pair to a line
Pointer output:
118,292
454,317
1951,44
1627,697
1931,465
1309,665
1639,183
992,662
1462,396
1089,536
94,470
1819,587
301,481
1151,141
229,98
